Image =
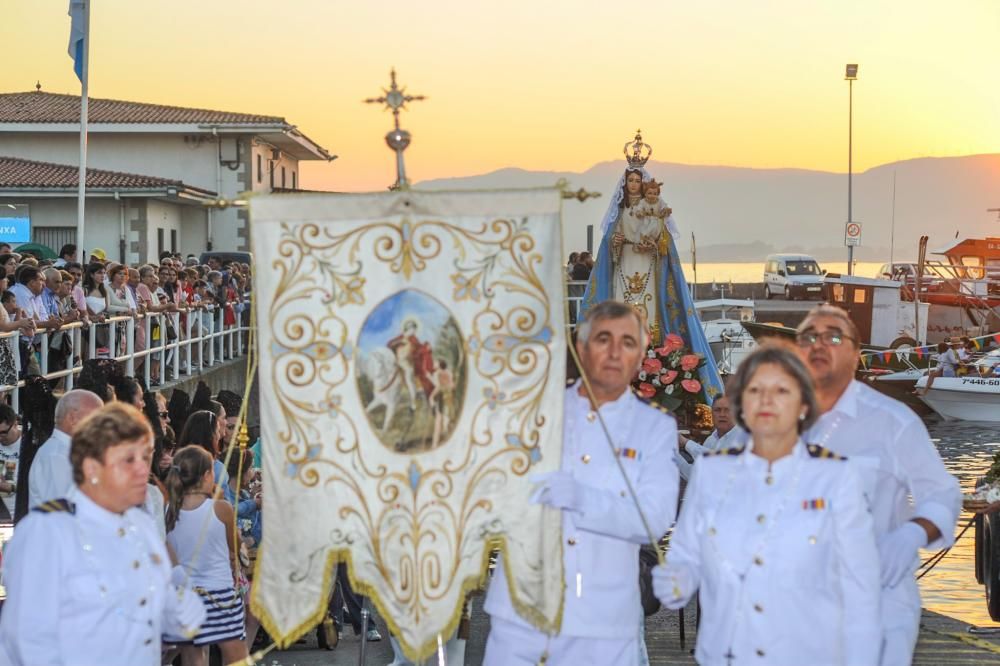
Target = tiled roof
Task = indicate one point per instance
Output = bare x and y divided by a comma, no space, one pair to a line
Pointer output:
28,174
44,107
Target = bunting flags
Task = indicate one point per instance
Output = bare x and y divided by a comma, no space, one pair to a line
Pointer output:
921,352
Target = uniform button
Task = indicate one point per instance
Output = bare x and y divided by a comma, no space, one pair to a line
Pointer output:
758,561
812,540
585,458
142,602
622,493
711,531
591,416
135,564
571,541
769,480
760,653
761,519
121,531
758,608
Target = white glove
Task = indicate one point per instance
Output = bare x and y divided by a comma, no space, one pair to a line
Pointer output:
183,613
673,586
559,490
897,552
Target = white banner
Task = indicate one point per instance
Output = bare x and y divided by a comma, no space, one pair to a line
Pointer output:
412,364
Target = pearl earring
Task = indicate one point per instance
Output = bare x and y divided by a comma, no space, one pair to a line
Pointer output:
93,480
802,416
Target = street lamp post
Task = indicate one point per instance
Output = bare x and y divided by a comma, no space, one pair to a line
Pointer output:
850,76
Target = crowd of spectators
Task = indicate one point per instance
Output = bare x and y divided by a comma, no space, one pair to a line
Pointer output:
51,296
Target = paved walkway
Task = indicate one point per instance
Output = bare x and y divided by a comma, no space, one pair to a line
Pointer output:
943,641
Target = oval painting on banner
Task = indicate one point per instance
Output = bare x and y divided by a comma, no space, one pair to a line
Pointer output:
411,372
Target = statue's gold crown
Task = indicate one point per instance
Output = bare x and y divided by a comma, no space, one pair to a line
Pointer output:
637,153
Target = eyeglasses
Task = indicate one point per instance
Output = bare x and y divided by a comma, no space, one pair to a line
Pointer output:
828,338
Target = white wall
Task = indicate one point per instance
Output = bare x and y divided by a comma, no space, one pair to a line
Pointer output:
165,216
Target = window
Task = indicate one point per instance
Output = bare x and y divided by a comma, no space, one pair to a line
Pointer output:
159,241
173,240
860,295
270,172
295,184
803,268
282,177
260,169
837,292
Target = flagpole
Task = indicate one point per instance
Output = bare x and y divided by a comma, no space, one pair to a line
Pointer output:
81,194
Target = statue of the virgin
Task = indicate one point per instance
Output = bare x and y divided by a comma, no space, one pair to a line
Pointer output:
637,263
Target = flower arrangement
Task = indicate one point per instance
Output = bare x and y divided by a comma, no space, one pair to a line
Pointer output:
669,377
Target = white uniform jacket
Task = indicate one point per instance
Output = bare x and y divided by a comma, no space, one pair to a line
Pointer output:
785,559
889,446
601,545
86,586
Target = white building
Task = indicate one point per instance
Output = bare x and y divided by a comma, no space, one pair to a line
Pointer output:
150,170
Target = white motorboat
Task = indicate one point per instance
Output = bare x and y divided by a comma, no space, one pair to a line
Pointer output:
974,397
729,341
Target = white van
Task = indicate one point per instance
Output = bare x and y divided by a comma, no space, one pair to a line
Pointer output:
793,276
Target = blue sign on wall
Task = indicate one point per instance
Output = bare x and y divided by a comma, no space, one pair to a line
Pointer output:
15,229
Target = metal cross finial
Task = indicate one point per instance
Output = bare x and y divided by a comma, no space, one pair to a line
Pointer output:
397,139
394,98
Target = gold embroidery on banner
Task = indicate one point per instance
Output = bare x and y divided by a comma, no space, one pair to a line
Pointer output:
313,358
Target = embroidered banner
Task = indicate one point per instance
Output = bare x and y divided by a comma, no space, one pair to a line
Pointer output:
412,364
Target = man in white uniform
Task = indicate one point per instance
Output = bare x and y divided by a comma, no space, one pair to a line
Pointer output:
893,454
51,474
602,529
725,436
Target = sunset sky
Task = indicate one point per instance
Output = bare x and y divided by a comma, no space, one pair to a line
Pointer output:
554,85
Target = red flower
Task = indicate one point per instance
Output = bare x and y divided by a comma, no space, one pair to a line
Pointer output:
691,385
652,365
671,343
647,390
690,362
668,377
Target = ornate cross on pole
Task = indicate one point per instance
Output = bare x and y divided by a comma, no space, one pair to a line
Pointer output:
395,98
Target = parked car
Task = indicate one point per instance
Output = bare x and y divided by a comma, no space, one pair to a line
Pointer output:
906,272
793,276
223,257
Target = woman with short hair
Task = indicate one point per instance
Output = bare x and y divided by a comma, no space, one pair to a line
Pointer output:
88,578
776,535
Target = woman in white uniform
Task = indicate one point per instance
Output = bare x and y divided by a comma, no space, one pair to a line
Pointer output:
777,536
88,578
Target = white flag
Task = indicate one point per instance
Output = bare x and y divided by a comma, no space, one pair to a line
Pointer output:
412,372
77,34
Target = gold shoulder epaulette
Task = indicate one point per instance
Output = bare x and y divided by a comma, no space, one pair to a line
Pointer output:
817,451
56,506
655,405
734,451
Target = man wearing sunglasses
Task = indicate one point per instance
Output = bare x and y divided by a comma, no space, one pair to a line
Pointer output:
895,458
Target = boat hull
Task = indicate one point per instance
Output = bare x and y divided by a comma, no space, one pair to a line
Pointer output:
964,398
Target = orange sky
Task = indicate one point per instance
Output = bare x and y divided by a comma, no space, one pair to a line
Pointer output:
548,85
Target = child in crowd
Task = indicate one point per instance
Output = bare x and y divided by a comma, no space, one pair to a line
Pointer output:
200,532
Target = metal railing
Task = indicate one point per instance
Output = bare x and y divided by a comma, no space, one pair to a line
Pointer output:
205,342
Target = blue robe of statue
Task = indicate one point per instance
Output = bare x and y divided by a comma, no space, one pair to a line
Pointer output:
674,307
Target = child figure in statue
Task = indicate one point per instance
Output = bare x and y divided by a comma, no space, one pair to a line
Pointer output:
652,208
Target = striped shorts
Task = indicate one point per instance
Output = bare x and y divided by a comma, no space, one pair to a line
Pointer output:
224,619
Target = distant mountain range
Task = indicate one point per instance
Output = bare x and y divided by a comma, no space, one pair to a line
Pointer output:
742,214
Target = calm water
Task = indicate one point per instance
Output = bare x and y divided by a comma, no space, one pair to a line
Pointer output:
951,587
754,271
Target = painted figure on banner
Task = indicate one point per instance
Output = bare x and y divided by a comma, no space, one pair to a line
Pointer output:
411,371
637,263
